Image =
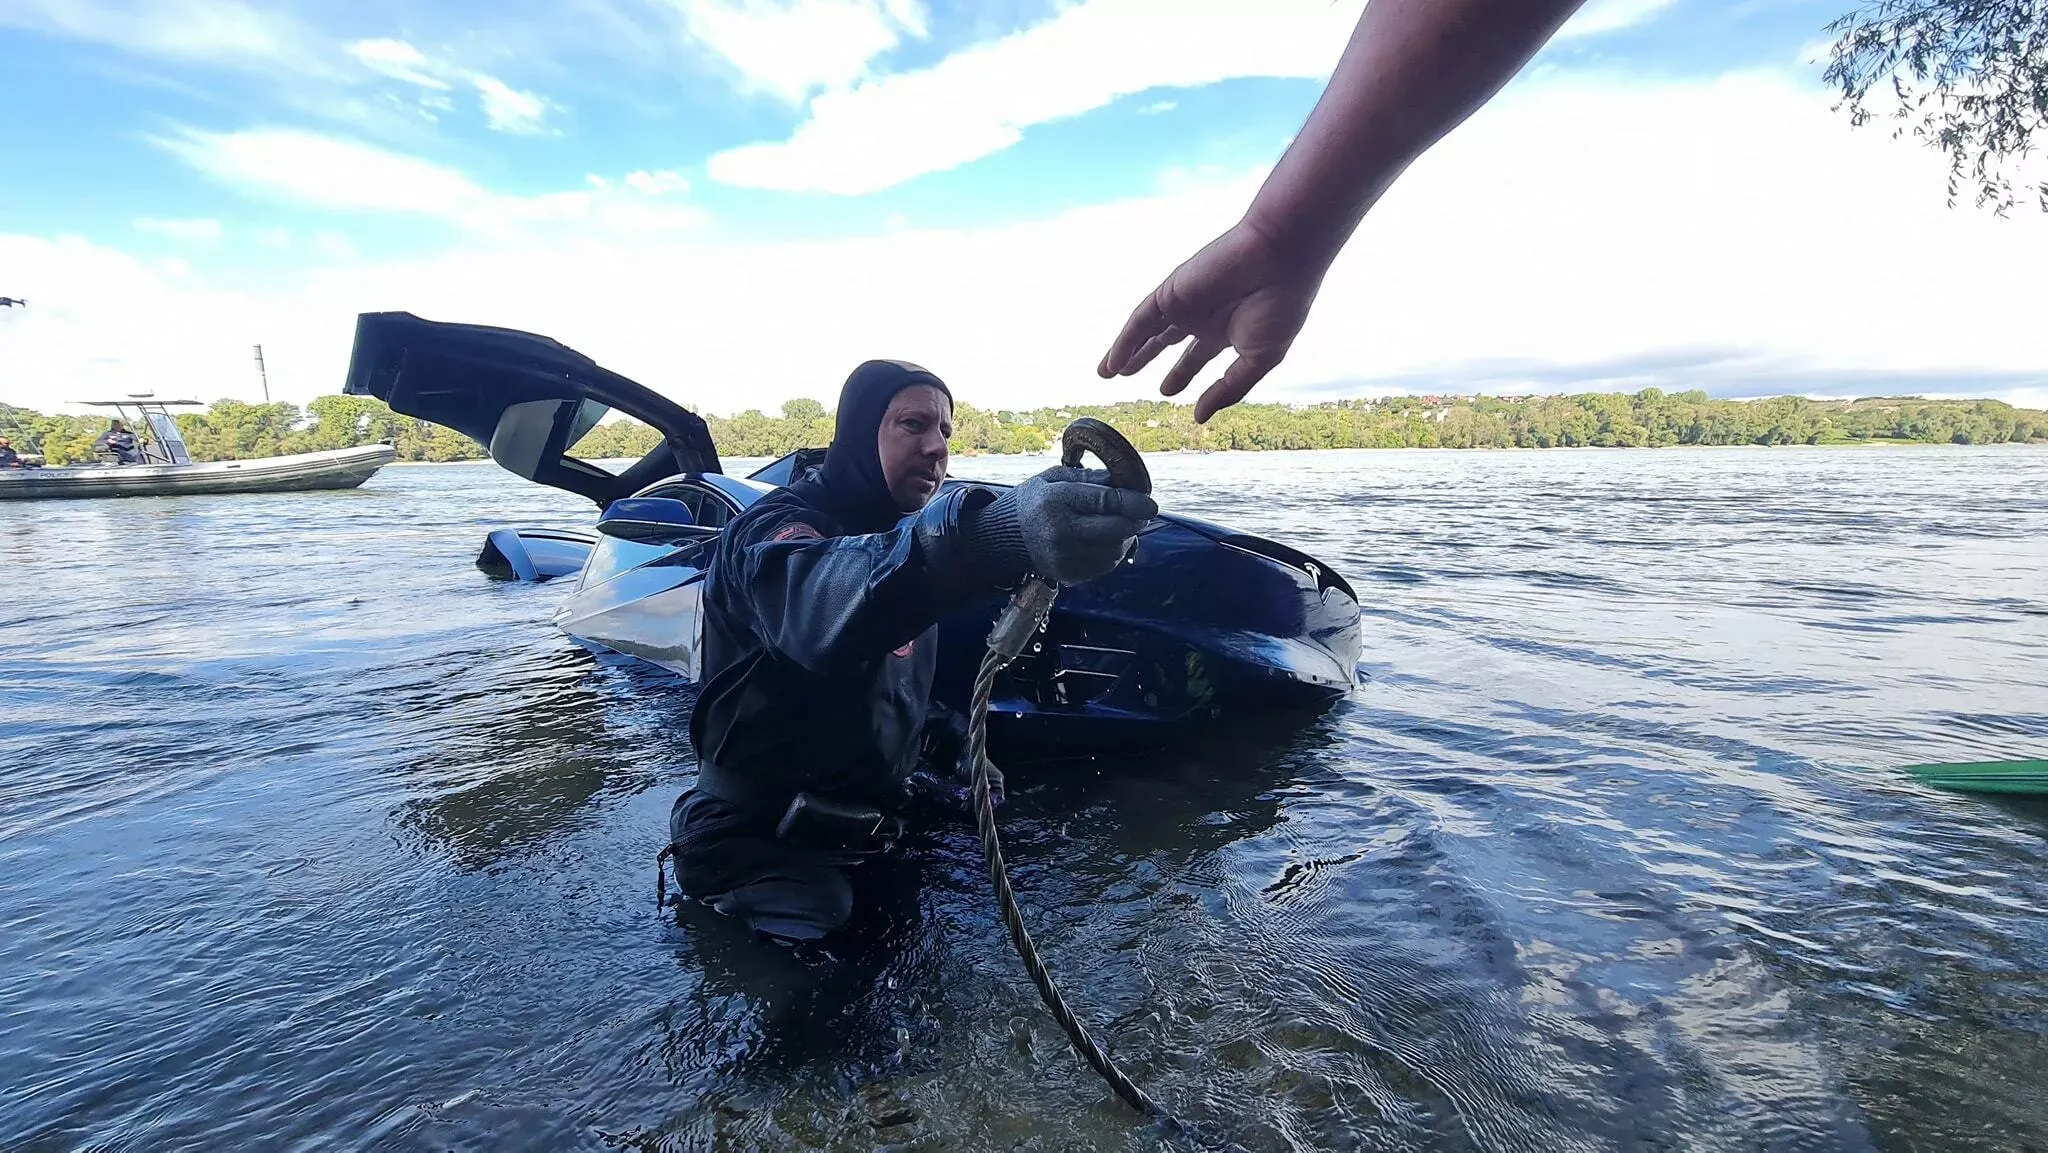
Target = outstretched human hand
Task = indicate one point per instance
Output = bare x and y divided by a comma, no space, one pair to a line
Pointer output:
1242,292
1413,70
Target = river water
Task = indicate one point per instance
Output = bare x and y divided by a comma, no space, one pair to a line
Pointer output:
312,837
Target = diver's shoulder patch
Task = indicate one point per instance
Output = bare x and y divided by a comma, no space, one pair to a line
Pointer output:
797,530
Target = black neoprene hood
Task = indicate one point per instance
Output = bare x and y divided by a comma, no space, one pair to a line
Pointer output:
853,480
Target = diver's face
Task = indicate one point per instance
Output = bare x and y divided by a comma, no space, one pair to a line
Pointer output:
912,444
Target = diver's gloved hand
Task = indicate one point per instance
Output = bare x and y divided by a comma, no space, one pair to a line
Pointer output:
954,793
1065,524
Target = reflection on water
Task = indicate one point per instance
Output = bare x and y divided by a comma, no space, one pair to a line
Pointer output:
311,836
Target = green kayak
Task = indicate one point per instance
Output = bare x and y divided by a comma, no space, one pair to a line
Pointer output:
2025,777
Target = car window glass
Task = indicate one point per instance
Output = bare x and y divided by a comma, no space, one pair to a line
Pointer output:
614,555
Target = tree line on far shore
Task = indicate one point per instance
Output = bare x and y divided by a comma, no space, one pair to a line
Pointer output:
1651,418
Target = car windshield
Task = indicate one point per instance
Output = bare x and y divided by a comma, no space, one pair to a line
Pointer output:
614,555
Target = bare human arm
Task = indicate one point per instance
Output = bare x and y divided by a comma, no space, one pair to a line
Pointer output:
1413,70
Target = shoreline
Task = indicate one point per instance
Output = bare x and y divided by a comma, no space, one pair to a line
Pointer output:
1836,445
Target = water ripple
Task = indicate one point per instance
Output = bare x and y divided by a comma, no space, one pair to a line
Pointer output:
339,845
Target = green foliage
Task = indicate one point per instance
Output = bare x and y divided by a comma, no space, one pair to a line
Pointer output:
804,423
1647,419
234,430
1971,74
61,439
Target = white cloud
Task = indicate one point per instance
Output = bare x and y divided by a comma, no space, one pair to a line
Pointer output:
911,15
193,230
505,108
1580,222
1571,223
867,136
978,101
789,48
656,183
327,171
1815,53
314,72
198,31
1158,106
398,60
101,319
331,172
335,247
1603,16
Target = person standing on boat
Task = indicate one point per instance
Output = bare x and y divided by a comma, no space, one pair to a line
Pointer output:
820,612
119,441
1413,71
8,457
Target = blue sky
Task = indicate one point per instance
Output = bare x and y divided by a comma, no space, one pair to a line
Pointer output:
736,200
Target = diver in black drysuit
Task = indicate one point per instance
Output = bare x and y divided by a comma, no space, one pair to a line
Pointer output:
820,611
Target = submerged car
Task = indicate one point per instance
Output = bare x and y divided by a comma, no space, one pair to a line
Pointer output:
1201,622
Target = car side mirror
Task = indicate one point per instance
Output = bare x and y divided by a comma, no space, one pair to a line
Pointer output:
646,518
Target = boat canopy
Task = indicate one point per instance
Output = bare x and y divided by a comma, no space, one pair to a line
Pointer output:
164,444
526,398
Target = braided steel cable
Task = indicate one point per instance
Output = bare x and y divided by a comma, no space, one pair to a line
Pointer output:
985,812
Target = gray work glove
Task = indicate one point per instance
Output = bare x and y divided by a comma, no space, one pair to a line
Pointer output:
1065,524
